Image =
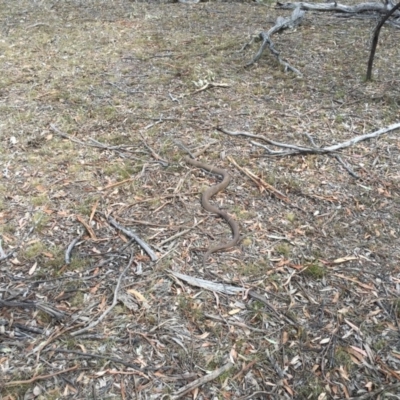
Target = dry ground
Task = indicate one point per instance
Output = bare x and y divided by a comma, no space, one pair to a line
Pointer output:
326,264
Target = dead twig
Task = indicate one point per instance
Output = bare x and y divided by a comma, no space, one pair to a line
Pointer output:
375,38
112,359
201,381
114,303
46,308
153,153
180,233
260,182
208,85
376,393
39,377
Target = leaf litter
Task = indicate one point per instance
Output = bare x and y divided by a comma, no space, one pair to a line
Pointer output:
316,315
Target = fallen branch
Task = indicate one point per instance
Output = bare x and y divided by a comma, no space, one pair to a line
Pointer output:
294,149
281,24
334,6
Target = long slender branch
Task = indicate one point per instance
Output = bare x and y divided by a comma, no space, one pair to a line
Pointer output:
311,150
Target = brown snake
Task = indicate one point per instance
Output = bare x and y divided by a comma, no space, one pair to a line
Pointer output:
211,191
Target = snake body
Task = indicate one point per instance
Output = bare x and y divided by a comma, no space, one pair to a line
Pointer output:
211,191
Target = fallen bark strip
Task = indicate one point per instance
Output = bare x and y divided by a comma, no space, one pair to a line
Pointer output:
135,237
230,290
334,6
281,23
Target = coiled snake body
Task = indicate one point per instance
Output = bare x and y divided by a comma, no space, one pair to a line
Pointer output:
211,191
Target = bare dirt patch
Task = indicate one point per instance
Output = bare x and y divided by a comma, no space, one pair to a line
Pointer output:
325,264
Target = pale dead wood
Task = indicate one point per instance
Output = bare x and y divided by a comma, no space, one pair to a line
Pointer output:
208,285
295,149
228,290
281,23
3,255
206,86
334,6
311,150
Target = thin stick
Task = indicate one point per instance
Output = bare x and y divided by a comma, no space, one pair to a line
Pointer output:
39,377
260,182
201,381
112,359
180,233
114,303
